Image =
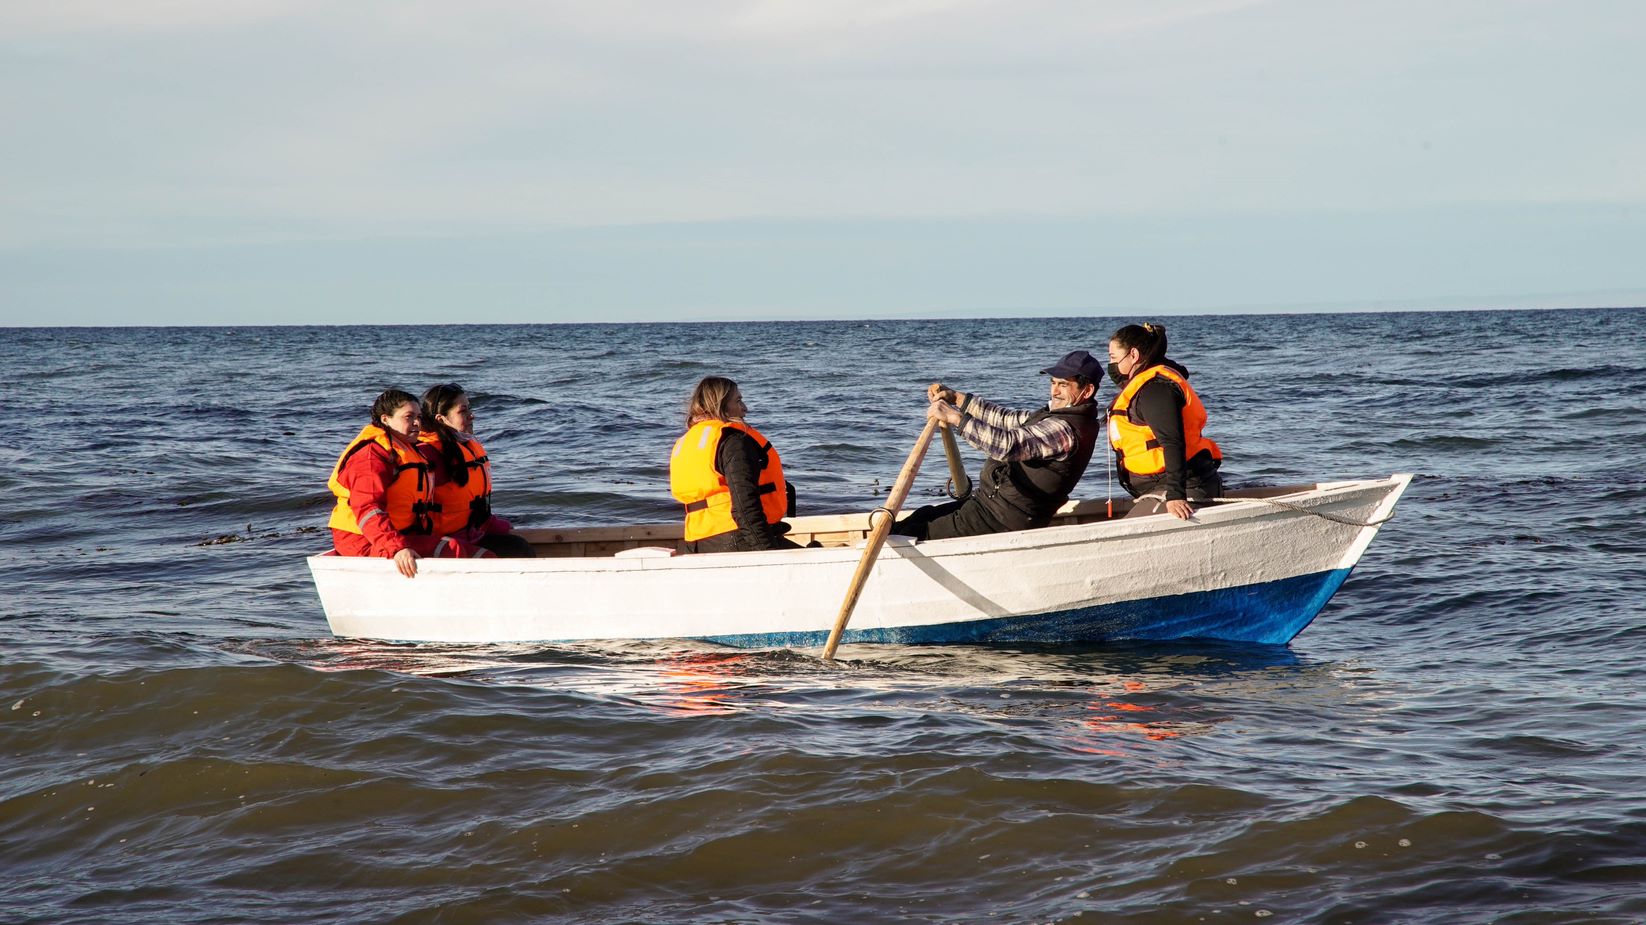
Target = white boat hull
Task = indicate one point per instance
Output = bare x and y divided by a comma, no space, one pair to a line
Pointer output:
1250,571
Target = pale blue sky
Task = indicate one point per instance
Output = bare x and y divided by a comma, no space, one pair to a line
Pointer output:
300,161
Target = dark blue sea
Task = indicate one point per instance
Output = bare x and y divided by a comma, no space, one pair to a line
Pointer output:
1457,739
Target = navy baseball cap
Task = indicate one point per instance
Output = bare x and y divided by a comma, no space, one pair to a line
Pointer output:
1078,363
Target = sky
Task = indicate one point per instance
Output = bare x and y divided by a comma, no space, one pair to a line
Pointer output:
307,162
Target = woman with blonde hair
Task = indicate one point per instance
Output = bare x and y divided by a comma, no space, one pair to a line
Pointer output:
728,475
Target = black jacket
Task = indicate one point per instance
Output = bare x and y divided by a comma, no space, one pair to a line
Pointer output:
741,460
1023,494
1159,404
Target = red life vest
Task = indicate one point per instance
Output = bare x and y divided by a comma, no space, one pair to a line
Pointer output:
409,500
1134,441
696,483
459,507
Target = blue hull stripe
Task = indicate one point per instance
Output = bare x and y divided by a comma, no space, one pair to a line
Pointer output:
1270,613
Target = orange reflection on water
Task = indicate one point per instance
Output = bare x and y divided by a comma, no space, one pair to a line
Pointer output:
1109,723
685,693
699,685
1155,730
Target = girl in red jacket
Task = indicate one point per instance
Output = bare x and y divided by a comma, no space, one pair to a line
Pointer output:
384,483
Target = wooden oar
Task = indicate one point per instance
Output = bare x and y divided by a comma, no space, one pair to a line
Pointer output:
958,479
877,536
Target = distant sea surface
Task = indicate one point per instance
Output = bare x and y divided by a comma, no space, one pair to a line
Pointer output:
1459,738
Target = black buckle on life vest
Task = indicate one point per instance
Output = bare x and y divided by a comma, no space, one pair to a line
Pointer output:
480,511
422,470
763,489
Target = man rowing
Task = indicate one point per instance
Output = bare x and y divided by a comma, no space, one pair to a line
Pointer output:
1035,456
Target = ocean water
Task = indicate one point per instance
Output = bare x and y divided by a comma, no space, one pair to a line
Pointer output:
1458,738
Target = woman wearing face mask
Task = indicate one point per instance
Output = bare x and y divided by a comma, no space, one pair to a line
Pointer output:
1155,426
384,485
463,477
727,475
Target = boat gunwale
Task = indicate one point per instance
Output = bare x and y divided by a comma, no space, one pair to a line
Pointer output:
1050,537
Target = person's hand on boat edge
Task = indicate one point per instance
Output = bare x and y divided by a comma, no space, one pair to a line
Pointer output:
406,561
1180,509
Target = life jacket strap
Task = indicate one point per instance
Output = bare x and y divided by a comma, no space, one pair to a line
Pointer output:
764,488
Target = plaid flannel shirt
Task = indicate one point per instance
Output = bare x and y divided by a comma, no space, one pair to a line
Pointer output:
1002,434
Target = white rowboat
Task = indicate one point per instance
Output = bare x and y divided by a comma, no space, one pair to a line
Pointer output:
1257,568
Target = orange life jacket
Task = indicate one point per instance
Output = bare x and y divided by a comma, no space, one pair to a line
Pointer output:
410,497
1134,441
459,507
696,483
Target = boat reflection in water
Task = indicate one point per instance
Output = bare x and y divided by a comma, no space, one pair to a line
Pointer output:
1119,700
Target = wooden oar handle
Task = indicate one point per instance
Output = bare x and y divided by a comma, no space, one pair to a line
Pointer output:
877,536
961,482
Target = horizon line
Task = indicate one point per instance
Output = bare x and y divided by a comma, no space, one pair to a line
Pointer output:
1177,313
